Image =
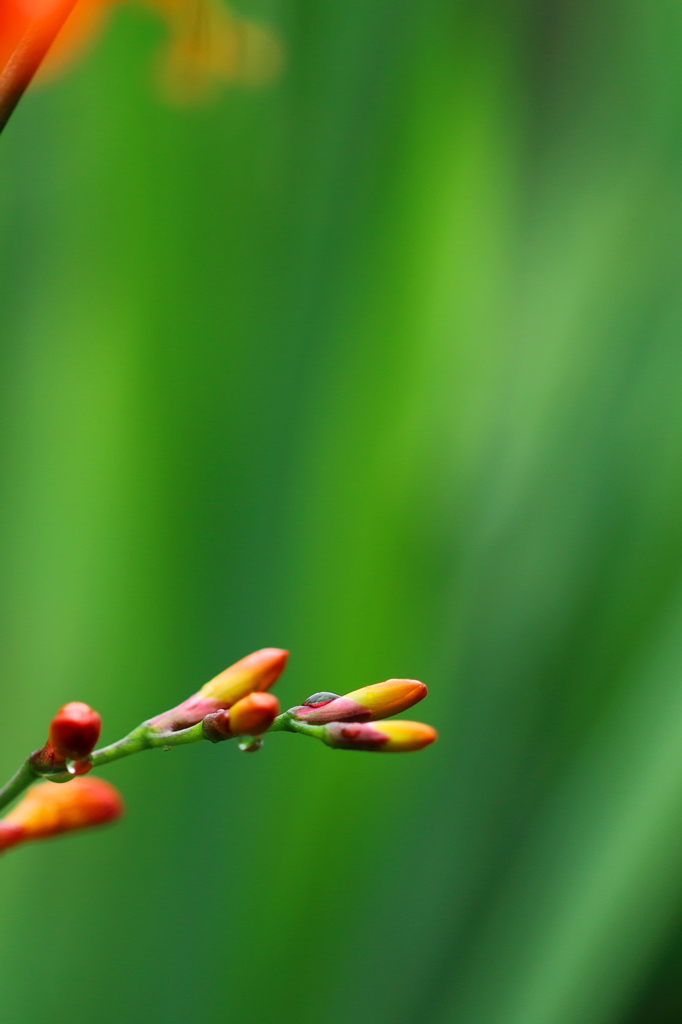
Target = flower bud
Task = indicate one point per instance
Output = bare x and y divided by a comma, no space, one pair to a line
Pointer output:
364,705
74,730
250,716
256,672
253,715
50,808
390,737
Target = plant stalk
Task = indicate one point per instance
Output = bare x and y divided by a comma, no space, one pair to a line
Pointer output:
20,781
141,738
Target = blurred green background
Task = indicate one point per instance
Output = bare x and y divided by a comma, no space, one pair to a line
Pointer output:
382,364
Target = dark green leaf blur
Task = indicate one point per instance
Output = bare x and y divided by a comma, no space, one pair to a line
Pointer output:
381,364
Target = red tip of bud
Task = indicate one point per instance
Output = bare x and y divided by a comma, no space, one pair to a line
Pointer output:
74,730
10,835
49,809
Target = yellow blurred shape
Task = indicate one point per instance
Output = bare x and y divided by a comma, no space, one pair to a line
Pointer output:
208,46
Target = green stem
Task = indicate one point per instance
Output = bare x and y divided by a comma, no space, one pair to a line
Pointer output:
141,738
176,739
144,738
20,781
133,743
286,723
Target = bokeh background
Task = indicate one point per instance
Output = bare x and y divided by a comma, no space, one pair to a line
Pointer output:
383,364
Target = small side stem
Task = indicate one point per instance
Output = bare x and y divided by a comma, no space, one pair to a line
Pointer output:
176,739
144,738
287,723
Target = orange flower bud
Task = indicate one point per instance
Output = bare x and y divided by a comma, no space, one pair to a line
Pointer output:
253,715
50,808
250,716
74,730
26,32
363,705
390,737
257,672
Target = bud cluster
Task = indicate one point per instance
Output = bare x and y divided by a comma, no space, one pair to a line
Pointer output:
355,721
235,704
257,672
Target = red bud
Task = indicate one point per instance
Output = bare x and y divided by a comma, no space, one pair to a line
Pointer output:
74,730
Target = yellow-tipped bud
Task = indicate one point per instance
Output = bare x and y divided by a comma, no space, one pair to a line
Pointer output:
364,705
406,736
256,672
387,737
49,809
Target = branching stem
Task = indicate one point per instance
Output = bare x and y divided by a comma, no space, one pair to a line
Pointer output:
141,738
286,723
